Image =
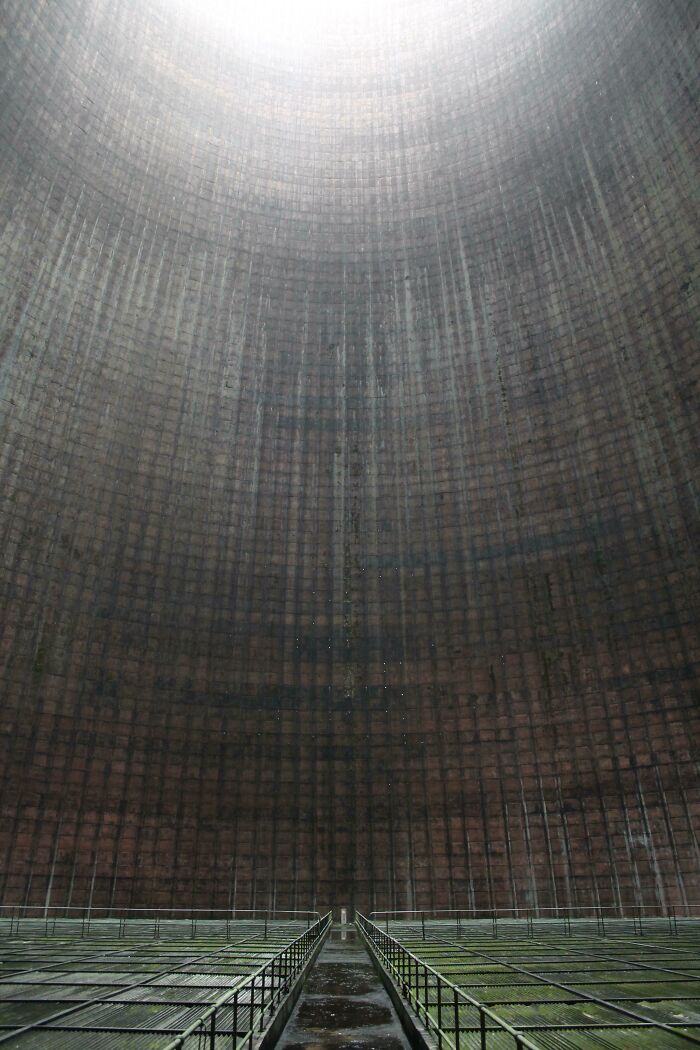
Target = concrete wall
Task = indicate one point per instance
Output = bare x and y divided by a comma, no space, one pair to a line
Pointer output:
349,456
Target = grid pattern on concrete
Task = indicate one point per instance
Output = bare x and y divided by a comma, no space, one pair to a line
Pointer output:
112,992
348,454
557,990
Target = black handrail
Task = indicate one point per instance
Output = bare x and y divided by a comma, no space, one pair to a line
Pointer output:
252,1003
53,916
624,911
416,980
115,910
635,913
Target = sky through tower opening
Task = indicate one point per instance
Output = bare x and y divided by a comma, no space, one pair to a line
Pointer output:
278,23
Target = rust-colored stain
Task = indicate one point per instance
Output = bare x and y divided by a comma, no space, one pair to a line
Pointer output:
349,459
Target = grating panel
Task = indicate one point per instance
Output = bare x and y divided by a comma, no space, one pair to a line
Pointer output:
100,992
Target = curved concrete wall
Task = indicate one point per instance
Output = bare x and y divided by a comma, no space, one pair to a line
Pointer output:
349,456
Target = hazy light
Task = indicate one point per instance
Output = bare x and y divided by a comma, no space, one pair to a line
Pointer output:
281,22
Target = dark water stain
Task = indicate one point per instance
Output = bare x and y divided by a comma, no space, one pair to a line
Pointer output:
342,979
343,939
333,1042
338,1012
344,1004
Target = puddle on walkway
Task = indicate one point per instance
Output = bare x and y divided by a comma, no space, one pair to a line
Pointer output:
343,1004
328,1041
333,1011
343,979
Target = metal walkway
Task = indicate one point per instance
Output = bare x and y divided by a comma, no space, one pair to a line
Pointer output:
542,990
343,1003
77,993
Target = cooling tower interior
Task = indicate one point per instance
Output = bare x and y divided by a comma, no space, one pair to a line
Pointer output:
349,444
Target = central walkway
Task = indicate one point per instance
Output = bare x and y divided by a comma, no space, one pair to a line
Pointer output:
343,1003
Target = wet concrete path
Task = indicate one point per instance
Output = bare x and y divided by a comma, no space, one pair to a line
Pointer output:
343,1003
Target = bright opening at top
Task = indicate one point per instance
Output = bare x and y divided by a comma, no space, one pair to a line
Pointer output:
290,23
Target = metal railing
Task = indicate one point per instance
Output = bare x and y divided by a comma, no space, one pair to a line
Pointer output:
140,922
448,1013
242,1014
636,914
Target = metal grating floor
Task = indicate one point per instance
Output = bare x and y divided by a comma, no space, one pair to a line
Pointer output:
107,992
574,991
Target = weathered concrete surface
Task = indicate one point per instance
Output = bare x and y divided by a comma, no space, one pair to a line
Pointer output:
349,457
343,1003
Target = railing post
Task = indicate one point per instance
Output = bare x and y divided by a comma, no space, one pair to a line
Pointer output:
262,1001
456,1010
235,1020
212,1032
422,922
482,1028
252,1008
439,1011
425,996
